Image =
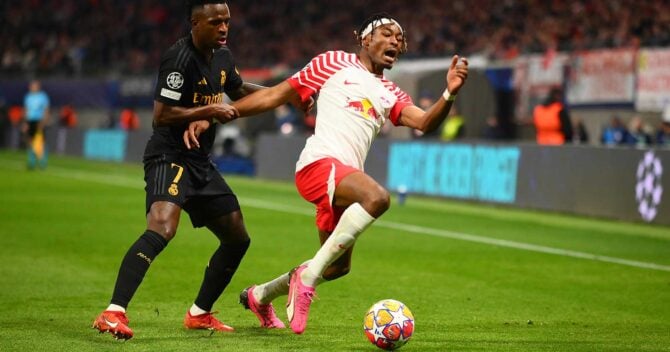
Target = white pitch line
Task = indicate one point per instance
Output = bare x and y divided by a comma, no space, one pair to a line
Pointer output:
257,203
520,245
262,204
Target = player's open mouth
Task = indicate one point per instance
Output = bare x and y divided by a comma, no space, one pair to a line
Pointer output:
391,54
222,41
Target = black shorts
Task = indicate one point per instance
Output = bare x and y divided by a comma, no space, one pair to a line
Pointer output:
198,189
33,127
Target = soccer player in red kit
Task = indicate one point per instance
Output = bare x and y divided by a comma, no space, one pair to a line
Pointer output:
354,101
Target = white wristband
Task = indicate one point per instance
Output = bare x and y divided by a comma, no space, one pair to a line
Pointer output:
448,96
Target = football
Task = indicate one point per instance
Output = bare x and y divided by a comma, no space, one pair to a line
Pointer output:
388,324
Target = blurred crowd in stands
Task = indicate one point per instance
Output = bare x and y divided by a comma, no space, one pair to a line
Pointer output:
637,134
84,37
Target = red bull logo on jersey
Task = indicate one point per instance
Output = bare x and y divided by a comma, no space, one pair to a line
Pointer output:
363,107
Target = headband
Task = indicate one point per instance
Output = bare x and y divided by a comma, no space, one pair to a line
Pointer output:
376,23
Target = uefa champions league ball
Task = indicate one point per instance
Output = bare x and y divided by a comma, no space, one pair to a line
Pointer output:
388,324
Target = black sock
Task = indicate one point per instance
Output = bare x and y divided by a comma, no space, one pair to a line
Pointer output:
135,265
219,272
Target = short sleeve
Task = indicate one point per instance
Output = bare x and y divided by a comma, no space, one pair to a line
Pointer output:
311,78
403,101
173,84
234,80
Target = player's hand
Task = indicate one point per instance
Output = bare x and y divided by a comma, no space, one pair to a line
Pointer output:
304,106
193,131
226,113
457,74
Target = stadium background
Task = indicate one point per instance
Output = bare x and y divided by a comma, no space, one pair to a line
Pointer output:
479,273
611,57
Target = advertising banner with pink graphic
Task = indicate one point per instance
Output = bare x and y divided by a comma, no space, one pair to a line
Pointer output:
653,80
602,77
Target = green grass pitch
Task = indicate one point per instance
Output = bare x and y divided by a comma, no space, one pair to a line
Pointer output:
478,278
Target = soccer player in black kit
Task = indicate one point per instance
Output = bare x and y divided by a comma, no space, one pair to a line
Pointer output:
194,74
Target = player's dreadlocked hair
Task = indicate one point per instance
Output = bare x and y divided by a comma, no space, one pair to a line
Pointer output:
191,4
375,21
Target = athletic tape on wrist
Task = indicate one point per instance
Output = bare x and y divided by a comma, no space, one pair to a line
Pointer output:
448,96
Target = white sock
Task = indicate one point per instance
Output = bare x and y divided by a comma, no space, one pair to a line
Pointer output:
265,293
353,222
195,310
270,290
116,308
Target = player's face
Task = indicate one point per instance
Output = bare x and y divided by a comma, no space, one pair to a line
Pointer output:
385,45
210,25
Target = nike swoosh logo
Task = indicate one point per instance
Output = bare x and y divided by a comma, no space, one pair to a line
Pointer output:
112,325
347,82
290,307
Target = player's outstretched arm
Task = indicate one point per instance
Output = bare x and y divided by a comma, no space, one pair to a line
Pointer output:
249,88
426,121
251,104
266,99
169,115
245,89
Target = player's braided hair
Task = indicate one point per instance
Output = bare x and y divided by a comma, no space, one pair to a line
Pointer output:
375,20
191,4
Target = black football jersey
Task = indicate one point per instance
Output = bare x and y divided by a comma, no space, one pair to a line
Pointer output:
185,79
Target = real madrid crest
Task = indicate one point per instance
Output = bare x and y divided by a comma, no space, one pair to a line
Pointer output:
173,190
223,77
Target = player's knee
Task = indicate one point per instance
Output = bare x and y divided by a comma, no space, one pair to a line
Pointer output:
164,227
167,232
379,201
335,272
240,236
232,235
240,242
163,218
